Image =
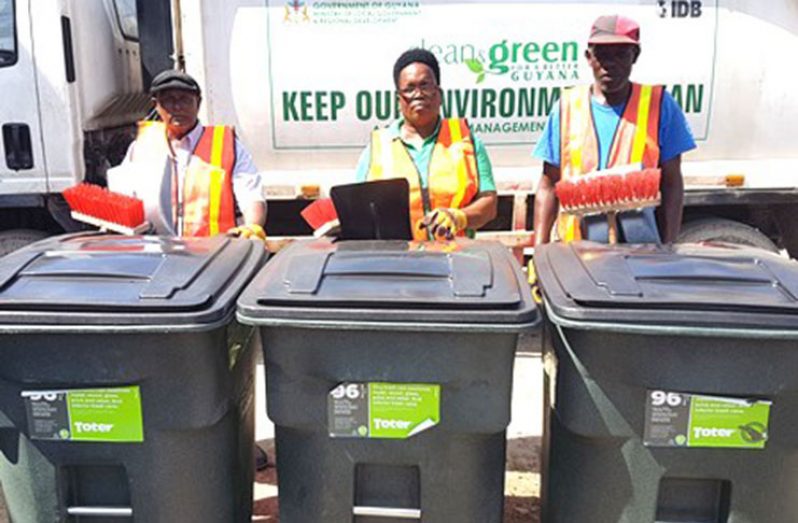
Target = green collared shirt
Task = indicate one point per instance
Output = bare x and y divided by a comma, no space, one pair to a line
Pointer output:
421,157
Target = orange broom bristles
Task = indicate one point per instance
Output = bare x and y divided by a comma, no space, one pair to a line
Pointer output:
98,202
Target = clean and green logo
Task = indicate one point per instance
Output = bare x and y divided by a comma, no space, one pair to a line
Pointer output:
520,61
528,61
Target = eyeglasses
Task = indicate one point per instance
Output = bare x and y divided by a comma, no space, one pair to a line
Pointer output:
424,88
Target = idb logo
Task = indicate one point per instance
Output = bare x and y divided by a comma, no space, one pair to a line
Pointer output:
680,8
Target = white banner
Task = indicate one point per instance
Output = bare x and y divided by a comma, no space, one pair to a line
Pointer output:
503,64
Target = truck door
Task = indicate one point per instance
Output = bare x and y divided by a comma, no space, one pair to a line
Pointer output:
22,166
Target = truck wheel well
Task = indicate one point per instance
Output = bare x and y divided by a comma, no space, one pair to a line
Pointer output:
37,218
724,230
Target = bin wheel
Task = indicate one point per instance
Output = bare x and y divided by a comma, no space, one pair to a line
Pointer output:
14,239
724,230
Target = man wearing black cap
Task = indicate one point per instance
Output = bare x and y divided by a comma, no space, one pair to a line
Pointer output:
446,166
609,123
208,174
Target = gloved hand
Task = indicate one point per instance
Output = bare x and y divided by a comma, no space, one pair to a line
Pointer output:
251,230
532,278
444,223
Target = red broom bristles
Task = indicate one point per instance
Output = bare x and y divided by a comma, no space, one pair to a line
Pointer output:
602,192
319,212
98,202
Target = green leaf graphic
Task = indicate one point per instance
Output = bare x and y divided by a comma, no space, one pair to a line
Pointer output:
480,78
474,65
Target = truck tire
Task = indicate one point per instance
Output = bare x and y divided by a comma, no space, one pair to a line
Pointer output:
723,230
15,239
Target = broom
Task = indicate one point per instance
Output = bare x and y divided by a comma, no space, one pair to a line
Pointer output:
107,210
608,192
321,216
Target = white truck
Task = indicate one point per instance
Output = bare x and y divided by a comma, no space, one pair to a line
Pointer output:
305,82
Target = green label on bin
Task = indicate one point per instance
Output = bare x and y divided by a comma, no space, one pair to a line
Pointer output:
99,415
675,419
382,410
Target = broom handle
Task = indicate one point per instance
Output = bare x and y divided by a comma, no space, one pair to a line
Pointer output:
612,232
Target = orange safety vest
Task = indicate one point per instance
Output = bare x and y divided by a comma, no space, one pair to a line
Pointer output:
636,139
208,200
453,180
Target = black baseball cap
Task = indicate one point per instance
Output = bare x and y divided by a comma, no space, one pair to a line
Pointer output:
173,79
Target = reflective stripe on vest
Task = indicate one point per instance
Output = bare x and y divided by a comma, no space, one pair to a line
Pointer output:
453,180
208,200
636,139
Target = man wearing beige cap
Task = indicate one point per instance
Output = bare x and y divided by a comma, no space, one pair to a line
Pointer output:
609,123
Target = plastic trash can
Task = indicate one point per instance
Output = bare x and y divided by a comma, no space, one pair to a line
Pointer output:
672,392
126,384
389,374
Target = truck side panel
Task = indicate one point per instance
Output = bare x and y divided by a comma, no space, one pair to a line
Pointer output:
21,145
52,33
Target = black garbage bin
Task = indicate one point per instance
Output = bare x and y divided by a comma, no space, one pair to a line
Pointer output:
671,384
388,374
126,384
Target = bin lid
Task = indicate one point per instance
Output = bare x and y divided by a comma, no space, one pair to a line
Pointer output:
715,284
127,280
459,282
